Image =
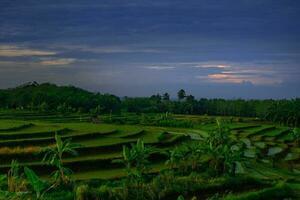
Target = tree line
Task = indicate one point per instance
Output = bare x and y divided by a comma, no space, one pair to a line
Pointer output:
49,97
284,111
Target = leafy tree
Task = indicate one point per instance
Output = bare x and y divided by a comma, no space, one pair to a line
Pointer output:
157,98
190,98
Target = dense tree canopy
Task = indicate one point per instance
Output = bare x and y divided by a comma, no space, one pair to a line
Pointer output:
281,111
49,97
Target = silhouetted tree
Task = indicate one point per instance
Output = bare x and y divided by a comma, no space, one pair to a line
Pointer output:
181,94
166,97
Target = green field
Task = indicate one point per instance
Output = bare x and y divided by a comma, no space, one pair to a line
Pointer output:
24,134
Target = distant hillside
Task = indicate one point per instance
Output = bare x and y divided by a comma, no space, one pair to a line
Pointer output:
48,96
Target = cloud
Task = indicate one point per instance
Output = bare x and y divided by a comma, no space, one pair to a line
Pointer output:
157,67
109,49
219,66
59,61
199,64
254,76
41,63
256,73
16,51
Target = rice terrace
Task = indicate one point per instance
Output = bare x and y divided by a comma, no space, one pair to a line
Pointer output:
139,153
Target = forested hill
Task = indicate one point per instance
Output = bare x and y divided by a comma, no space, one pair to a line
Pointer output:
48,96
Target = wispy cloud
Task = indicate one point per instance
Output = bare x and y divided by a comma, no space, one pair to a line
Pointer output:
59,61
238,78
158,67
230,72
16,51
199,64
109,49
41,63
219,66
256,75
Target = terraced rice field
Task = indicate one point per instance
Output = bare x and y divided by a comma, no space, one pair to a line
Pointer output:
99,144
276,155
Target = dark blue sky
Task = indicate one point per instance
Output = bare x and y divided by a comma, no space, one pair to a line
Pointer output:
211,48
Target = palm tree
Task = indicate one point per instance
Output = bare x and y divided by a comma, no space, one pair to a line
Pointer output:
54,156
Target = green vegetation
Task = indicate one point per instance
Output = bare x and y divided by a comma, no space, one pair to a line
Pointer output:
123,155
49,98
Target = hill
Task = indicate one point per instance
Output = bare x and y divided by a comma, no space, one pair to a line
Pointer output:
47,96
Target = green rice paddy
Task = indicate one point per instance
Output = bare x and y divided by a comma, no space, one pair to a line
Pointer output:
22,135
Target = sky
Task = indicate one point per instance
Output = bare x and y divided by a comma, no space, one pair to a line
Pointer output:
211,48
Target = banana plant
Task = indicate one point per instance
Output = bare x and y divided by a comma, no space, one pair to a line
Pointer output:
38,185
3,182
194,154
296,135
137,156
136,162
177,157
185,156
54,156
222,152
